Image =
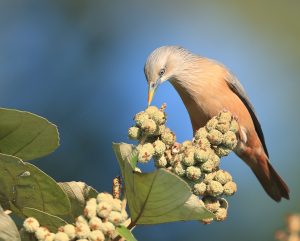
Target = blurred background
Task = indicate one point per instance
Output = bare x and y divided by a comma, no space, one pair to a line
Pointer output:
80,64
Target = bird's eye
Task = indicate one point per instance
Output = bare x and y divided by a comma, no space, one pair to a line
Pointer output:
162,71
152,85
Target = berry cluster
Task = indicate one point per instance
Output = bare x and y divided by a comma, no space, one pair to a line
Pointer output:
98,223
196,161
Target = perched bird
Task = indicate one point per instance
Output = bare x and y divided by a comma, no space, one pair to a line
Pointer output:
207,87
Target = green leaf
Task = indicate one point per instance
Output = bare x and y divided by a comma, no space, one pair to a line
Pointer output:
24,185
25,236
78,193
125,233
52,222
26,135
8,228
159,196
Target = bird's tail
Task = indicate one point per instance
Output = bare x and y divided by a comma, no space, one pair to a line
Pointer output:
273,184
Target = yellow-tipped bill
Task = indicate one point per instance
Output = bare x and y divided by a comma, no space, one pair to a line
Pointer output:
150,95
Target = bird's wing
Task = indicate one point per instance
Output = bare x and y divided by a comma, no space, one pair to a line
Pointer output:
238,89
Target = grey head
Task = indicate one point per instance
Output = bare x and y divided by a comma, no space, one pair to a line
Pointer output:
163,64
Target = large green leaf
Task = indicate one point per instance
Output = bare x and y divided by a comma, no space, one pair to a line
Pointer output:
24,185
26,135
78,193
8,229
125,233
45,219
159,196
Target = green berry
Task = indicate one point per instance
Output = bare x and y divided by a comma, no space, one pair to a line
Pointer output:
179,169
161,162
230,140
160,129
211,124
230,188
221,214
159,147
201,154
201,133
222,177
185,145
151,110
134,133
159,117
193,173
211,203
188,156
140,117
149,127
215,137
208,166
222,150
215,188
146,152
199,189
209,177
168,137
223,127
202,143
224,116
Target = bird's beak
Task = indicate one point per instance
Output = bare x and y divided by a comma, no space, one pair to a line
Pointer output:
151,90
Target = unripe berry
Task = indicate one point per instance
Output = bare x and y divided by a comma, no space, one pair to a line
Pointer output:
151,110
209,177
116,205
41,233
211,124
223,127
214,188
159,147
161,162
95,223
96,235
159,117
104,209
230,188
199,189
140,118
222,177
208,166
211,203
69,230
179,169
230,140
146,152
188,156
82,230
224,116
202,143
134,133
149,127
193,173
215,137
60,236
31,225
221,214
104,197
168,137
201,155
116,218
222,150
107,228
201,133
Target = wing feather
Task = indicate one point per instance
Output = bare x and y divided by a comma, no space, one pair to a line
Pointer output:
238,89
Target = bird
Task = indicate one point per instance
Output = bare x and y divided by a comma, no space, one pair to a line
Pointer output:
206,88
